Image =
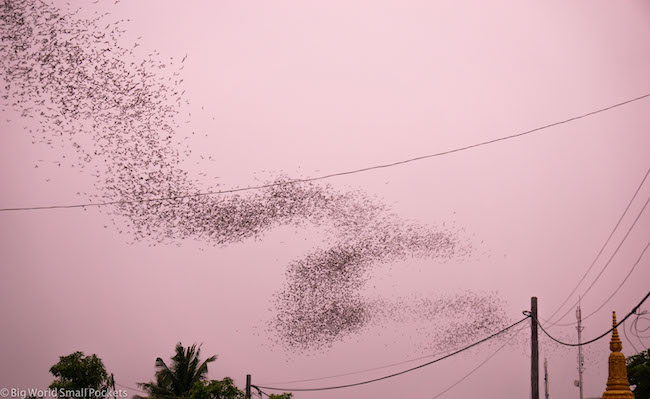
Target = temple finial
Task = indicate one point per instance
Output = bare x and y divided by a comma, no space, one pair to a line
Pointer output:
615,345
618,386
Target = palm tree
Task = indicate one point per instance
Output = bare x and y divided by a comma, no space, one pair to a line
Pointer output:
178,380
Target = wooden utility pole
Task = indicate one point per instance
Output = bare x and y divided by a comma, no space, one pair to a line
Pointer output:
534,350
248,386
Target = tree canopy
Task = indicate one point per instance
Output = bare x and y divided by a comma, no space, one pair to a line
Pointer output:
638,372
179,378
184,378
216,389
281,396
77,372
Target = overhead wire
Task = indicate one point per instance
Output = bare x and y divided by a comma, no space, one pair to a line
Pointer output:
636,331
479,366
600,336
642,315
604,268
364,370
639,317
259,391
611,234
628,338
620,285
401,372
337,174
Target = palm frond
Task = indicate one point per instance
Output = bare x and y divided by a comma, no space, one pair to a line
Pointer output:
184,371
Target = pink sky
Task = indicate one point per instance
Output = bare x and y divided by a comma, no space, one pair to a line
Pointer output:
312,88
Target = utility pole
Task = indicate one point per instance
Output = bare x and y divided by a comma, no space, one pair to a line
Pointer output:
112,382
545,378
248,386
581,360
534,352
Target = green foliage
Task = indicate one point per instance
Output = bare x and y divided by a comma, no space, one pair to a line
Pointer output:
216,389
638,372
77,372
186,378
282,396
179,379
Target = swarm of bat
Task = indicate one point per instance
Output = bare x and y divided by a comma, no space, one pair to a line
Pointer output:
84,92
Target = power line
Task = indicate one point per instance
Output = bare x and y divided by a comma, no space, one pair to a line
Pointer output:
620,219
328,176
479,366
641,316
606,265
633,311
628,339
399,373
364,370
636,331
620,285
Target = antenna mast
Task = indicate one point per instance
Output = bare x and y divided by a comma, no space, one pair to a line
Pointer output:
545,378
581,360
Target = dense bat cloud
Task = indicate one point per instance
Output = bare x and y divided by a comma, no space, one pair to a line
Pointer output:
315,315
447,321
226,219
322,300
86,92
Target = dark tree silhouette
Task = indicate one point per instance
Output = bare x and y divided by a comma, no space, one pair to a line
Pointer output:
84,375
178,379
638,372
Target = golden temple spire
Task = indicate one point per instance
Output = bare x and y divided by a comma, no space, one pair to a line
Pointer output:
618,386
